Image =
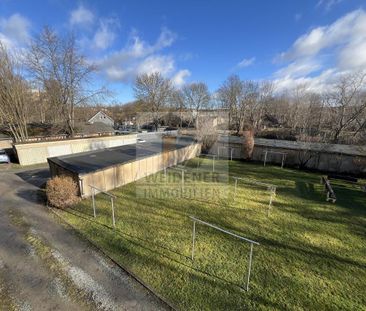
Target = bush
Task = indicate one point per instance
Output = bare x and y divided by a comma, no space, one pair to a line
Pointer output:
248,143
62,192
206,134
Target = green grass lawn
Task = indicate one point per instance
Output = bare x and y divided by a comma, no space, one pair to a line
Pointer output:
312,254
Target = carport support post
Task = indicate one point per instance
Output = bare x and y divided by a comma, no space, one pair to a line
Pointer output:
193,238
114,222
249,266
93,194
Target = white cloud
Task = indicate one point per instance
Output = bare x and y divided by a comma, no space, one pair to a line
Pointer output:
338,48
246,62
180,77
328,4
14,31
157,63
139,56
105,34
81,16
298,16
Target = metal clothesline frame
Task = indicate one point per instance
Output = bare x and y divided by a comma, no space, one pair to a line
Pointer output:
182,171
226,147
112,197
270,187
194,219
266,152
213,159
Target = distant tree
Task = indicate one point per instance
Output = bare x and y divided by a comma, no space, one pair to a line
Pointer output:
155,91
62,73
347,105
15,96
196,97
206,133
178,104
231,95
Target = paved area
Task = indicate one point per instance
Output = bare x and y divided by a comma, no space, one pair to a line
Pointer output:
44,265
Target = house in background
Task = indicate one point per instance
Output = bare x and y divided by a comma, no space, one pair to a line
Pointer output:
99,124
101,117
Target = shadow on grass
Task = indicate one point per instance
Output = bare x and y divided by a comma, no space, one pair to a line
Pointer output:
135,240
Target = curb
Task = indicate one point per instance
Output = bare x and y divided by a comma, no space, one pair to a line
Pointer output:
166,302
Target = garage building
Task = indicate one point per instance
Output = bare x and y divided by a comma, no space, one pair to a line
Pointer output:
114,167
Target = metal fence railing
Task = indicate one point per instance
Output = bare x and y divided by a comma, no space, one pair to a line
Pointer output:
196,220
266,152
111,196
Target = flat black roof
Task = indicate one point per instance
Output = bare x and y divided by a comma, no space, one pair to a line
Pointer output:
91,161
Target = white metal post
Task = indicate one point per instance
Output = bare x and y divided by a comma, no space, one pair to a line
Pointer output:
265,158
236,185
213,164
93,194
250,264
283,160
270,203
229,233
193,238
231,153
114,222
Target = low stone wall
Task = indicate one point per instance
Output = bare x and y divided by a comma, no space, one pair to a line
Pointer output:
35,153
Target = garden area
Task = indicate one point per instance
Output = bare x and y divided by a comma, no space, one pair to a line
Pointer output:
311,253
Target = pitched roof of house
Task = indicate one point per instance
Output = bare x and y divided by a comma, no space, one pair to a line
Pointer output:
100,112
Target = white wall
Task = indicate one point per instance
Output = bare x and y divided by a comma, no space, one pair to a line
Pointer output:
36,153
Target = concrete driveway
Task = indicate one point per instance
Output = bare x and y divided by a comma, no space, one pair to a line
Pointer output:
45,265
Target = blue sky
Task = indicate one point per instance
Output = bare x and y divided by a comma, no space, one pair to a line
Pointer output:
289,42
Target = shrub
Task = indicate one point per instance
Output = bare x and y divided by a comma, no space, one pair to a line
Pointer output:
248,143
206,134
62,192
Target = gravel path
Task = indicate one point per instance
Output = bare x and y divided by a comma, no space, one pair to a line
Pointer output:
44,265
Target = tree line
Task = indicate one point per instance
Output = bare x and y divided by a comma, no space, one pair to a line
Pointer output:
337,115
52,80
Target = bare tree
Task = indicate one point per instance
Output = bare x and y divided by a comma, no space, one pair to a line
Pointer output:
265,98
231,94
15,96
178,104
155,91
206,133
196,97
251,104
62,73
347,104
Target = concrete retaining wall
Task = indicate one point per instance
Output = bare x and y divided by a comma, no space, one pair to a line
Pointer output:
6,144
35,153
322,157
